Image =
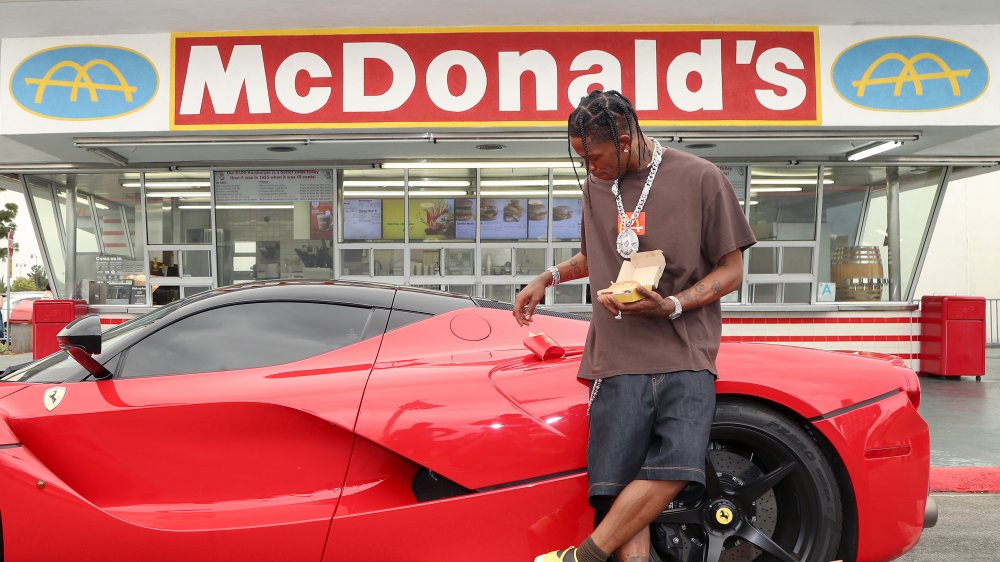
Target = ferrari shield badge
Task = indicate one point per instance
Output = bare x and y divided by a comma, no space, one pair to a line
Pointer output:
54,396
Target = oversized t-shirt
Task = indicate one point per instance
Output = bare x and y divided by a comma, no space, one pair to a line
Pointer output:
693,216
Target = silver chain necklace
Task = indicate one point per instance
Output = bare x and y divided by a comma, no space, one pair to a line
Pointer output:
628,240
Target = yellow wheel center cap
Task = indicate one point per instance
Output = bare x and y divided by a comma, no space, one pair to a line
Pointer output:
724,515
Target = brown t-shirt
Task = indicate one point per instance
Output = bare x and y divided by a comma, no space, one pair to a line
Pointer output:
692,214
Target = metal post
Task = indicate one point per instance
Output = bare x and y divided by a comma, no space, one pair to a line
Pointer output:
892,230
72,291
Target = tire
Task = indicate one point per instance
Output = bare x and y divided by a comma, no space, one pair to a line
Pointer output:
774,497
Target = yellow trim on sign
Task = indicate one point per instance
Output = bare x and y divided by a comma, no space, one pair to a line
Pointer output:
156,88
818,72
455,125
495,29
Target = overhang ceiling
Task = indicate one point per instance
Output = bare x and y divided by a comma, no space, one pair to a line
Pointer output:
44,18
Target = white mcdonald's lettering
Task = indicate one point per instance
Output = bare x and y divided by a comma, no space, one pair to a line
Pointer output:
404,77
246,72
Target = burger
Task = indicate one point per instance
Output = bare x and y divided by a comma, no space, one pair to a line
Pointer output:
561,213
512,211
489,210
463,209
536,210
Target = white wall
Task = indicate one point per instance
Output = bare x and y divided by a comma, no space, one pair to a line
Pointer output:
964,253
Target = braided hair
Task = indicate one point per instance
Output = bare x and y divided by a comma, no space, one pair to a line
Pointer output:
603,116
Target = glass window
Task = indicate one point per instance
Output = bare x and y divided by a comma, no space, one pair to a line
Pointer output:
400,318
287,216
514,204
461,289
458,261
40,190
783,202
425,262
569,294
496,261
442,204
502,293
178,207
530,261
230,338
355,262
372,208
388,262
796,260
854,243
196,263
107,219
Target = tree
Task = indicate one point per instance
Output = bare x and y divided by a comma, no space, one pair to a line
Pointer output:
7,215
22,284
37,275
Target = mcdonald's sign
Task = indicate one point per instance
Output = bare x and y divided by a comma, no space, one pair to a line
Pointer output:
82,82
910,74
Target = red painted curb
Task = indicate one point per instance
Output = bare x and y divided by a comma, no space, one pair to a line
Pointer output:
981,479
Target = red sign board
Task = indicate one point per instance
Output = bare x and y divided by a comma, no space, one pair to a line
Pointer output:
492,77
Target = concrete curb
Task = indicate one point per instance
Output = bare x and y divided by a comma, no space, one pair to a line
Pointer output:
973,479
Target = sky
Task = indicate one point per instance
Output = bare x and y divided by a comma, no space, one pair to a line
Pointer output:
28,252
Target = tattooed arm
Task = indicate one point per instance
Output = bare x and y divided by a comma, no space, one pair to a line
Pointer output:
725,278
534,292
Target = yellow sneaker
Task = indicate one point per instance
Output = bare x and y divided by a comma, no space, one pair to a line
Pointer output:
568,555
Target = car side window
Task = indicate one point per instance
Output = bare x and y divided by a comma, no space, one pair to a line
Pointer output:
244,336
400,318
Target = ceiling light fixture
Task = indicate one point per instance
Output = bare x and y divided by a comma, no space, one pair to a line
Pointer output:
172,194
169,184
774,189
479,164
872,150
788,181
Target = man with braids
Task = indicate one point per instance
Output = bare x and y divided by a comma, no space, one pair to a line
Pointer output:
651,362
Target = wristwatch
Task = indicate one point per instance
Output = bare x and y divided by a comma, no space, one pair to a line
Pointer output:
677,308
555,274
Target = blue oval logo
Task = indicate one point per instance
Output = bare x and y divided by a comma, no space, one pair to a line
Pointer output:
910,74
84,82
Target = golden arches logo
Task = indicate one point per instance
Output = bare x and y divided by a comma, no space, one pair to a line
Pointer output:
81,81
909,74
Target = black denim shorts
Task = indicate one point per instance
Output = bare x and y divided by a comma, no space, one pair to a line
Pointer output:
648,427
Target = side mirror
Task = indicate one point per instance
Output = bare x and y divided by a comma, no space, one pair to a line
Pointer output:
81,338
84,333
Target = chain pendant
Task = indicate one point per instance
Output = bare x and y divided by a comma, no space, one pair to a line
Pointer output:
628,243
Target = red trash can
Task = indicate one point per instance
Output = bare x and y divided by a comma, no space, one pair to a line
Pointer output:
953,336
50,316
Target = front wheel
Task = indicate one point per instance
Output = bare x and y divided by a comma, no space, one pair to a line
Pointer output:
770,495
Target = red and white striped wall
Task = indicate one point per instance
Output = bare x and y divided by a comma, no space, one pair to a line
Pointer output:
890,332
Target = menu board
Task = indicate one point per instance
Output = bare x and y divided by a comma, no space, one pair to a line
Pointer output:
538,214
465,219
737,176
362,219
273,185
567,216
393,220
321,220
432,219
503,219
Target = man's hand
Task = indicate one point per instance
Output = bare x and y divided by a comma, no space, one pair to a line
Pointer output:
653,305
527,300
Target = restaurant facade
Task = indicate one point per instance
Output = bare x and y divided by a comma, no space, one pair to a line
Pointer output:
438,158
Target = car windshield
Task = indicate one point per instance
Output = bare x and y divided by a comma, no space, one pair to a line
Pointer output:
56,368
60,367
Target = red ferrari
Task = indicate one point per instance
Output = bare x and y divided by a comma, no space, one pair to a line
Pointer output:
354,422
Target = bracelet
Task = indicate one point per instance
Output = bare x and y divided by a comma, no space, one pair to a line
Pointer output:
555,274
677,307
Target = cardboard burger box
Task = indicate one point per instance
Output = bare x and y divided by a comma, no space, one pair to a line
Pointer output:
645,268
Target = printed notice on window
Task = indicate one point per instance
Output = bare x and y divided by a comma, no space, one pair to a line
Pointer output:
261,186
